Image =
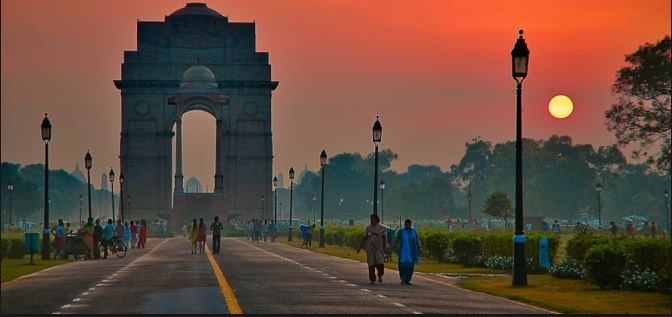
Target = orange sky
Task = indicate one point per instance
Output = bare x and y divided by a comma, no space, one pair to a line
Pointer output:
437,72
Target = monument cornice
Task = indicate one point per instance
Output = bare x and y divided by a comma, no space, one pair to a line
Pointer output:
121,84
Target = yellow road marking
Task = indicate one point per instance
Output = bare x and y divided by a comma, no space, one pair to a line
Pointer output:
224,286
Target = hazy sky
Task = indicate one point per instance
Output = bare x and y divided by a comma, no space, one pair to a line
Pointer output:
437,72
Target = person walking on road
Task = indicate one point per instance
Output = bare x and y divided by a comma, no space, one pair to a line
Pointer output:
216,228
273,230
127,234
201,236
409,251
556,227
193,236
134,234
374,241
108,234
613,229
97,239
142,234
59,238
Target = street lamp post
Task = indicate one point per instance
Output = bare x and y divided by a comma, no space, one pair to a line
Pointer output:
382,201
340,206
519,62
88,162
291,193
598,188
313,205
10,188
323,163
263,207
128,200
81,200
470,218
121,195
46,137
111,177
377,136
668,213
275,201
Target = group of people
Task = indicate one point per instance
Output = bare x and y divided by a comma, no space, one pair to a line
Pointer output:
96,236
257,230
406,243
198,233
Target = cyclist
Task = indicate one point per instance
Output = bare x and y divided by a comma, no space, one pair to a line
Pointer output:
108,234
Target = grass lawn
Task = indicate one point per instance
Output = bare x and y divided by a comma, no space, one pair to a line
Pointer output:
14,268
572,296
426,266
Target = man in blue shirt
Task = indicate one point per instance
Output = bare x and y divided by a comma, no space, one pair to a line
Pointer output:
108,233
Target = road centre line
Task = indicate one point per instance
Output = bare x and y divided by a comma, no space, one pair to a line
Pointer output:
225,288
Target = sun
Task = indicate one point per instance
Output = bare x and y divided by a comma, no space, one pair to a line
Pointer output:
560,106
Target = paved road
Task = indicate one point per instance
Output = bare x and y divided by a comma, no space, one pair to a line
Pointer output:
265,278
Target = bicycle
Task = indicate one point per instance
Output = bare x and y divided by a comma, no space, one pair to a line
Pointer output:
118,247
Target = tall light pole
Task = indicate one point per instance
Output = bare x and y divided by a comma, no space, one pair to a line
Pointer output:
382,201
340,206
470,218
129,207
111,177
88,162
519,62
667,213
81,200
121,195
598,188
377,136
263,207
10,188
46,136
275,201
323,163
291,192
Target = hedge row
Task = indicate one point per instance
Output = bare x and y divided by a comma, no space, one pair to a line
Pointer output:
11,248
622,262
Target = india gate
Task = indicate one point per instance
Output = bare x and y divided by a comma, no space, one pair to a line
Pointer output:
196,60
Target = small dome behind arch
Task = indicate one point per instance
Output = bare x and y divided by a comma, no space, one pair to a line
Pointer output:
198,77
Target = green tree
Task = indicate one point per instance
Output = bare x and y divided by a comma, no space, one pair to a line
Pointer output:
642,113
498,205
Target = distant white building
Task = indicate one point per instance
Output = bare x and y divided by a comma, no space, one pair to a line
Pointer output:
77,173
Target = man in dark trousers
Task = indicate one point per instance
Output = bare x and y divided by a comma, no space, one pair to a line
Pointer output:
97,237
216,228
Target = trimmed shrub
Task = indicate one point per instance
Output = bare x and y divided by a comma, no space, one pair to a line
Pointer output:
435,244
578,247
568,268
497,244
532,248
352,238
4,247
16,249
648,254
448,256
604,265
467,249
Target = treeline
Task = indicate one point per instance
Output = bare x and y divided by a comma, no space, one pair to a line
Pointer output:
64,191
560,181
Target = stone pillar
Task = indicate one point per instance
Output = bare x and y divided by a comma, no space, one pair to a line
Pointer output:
219,166
179,178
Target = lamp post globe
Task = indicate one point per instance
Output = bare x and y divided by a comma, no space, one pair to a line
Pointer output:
323,164
291,193
46,137
382,201
519,68
598,189
377,131
111,178
88,163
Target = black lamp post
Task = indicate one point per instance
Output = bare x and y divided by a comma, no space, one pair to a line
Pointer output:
598,188
382,201
10,188
313,206
263,207
323,163
121,195
111,177
46,137
667,213
81,200
129,207
88,163
340,205
470,218
275,201
377,136
519,62
291,192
